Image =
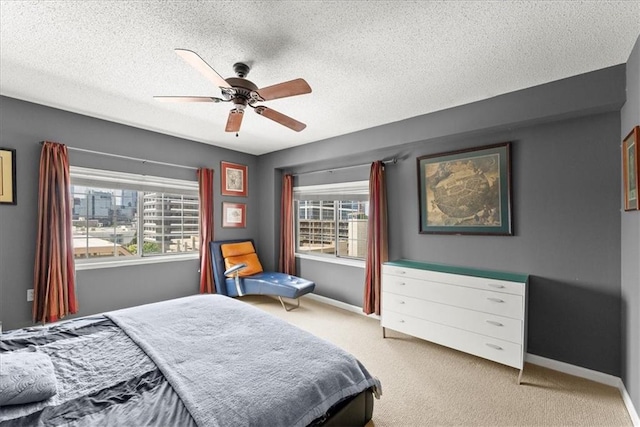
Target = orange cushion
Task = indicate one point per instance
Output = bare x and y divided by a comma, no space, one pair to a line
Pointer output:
252,261
235,249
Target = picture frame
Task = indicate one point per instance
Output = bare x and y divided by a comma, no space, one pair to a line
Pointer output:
234,215
466,191
8,176
234,179
630,169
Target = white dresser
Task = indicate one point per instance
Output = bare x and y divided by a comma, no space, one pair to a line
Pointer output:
480,312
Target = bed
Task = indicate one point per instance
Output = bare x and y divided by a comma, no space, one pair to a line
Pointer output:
204,360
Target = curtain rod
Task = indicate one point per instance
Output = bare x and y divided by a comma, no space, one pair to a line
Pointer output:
100,153
384,162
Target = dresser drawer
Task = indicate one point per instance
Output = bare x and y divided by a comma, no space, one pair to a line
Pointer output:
494,349
501,304
504,328
494,285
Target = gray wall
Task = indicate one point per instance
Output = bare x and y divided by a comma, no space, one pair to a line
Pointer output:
566,170
630,232
23,126
566,173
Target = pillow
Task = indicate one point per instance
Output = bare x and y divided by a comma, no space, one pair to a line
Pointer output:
26,377
235,249
252,261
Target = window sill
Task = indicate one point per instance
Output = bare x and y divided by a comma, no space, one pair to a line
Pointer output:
333,260
137,261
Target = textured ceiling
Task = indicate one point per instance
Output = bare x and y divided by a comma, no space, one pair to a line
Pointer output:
368,63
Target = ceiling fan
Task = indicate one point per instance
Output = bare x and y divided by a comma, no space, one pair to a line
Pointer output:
242,93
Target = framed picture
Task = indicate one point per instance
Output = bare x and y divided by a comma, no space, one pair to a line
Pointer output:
8,176
234,179
466,191
234,215
630,168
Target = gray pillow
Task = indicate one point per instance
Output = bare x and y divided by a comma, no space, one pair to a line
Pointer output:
26,377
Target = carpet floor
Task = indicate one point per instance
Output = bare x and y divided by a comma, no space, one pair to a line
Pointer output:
425,384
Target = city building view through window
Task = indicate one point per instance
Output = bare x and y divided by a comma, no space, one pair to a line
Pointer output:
131,223
332,227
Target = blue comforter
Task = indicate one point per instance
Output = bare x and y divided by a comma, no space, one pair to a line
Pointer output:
234,365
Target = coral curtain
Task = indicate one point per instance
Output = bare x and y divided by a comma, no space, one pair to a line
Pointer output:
54,269
205,195
376,238
287,262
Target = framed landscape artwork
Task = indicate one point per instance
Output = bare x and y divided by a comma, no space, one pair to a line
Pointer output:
466,191
233,179
630,167
8,176
234,215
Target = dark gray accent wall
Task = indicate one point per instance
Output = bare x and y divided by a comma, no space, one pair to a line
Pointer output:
630,232
22,126
566,169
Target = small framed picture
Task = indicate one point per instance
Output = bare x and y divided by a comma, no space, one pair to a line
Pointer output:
234,179
234,215
630,167
8,176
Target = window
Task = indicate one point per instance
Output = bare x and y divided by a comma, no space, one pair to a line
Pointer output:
331,220
119,216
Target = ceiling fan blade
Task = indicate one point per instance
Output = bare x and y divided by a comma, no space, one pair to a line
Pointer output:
282,90
280,118
200,64
234,121
187,99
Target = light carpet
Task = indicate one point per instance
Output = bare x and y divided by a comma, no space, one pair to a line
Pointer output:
425,384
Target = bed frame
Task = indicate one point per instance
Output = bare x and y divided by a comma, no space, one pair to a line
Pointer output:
354,411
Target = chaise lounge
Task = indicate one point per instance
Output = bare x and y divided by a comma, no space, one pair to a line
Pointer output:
237,271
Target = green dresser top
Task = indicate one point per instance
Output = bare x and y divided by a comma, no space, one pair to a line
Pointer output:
466,271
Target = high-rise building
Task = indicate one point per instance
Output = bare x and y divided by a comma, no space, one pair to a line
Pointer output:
171,221
95,205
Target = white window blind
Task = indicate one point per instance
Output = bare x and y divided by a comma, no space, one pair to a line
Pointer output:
126,181
355,190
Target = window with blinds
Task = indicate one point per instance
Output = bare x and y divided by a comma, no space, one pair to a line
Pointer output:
121,215
331,219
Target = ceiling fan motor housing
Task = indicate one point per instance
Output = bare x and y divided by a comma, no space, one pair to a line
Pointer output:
242,89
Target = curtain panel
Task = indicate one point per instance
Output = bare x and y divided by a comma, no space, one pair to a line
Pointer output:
287,262
54,267
377,244
205,194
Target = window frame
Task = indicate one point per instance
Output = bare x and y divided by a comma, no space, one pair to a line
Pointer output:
335,193
111,180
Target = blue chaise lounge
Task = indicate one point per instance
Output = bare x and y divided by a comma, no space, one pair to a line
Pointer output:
237,271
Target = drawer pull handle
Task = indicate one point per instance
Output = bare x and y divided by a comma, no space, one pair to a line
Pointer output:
401,283
402,272
494,323
495,299
493,346
401,302
401,321
495,285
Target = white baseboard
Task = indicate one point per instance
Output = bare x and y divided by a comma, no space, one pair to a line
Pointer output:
566,368
589,374
340,304
635,419
576,371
